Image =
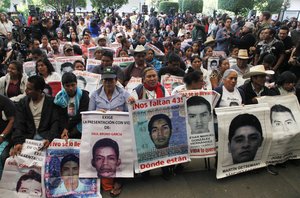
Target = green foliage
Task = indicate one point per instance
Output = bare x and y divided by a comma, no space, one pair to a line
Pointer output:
272,6
165,6
60,5
103,4
4,5
236,6
194,6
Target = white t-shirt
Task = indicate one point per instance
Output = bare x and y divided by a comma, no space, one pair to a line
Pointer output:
6,27
230,98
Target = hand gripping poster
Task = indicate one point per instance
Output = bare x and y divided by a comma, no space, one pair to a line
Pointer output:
62,172
106,145
170,82
200,123
244,138
22,173
285,118
160,132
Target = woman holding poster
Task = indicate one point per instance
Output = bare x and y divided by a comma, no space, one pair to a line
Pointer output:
110,97
151,89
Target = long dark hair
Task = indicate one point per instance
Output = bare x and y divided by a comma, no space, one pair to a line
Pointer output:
19,68
48,64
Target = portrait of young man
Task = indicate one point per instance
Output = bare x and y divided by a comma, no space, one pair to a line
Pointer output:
106,157
244,138
29,184
199,114
69,172
160,130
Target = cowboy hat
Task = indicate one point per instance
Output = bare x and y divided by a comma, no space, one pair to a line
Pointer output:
257,70
139,49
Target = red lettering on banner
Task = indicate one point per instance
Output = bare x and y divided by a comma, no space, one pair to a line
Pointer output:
152,165
176,159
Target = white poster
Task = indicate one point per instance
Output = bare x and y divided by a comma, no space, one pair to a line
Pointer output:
244,138
91,64
22,173
170,82
285,117
200,122
106,145
87,80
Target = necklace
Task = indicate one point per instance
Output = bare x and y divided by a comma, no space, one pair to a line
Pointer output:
148,93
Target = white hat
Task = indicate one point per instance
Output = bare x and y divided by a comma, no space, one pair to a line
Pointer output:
209,39
139,49
257,70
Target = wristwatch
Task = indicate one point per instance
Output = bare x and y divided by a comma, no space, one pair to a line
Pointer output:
3,135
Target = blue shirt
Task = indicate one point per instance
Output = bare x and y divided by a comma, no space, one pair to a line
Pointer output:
118,101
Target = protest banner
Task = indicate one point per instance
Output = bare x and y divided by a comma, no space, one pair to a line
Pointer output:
62,172
87,80
91,63
133,83
22,173
63,63
200,123
244,138
157,51
106,145
284,114
123,61
160,132
29,68
170,82
219,54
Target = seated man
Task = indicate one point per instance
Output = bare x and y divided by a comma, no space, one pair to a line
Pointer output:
71,100
36,117
7,117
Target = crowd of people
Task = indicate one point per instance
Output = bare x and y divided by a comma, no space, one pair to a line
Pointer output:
239,58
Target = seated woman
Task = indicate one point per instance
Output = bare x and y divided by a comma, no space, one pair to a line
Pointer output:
13,84
79,65
193,80
150,58
216,75
197,65
151,88
230,94
44,68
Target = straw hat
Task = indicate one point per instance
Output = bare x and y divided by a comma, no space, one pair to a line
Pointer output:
257,70
209,40
243,54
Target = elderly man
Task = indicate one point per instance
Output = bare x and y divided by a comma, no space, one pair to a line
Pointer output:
242,65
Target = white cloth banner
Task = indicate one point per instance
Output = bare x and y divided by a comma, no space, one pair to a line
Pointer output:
160,132
285,115
244,138
106,145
